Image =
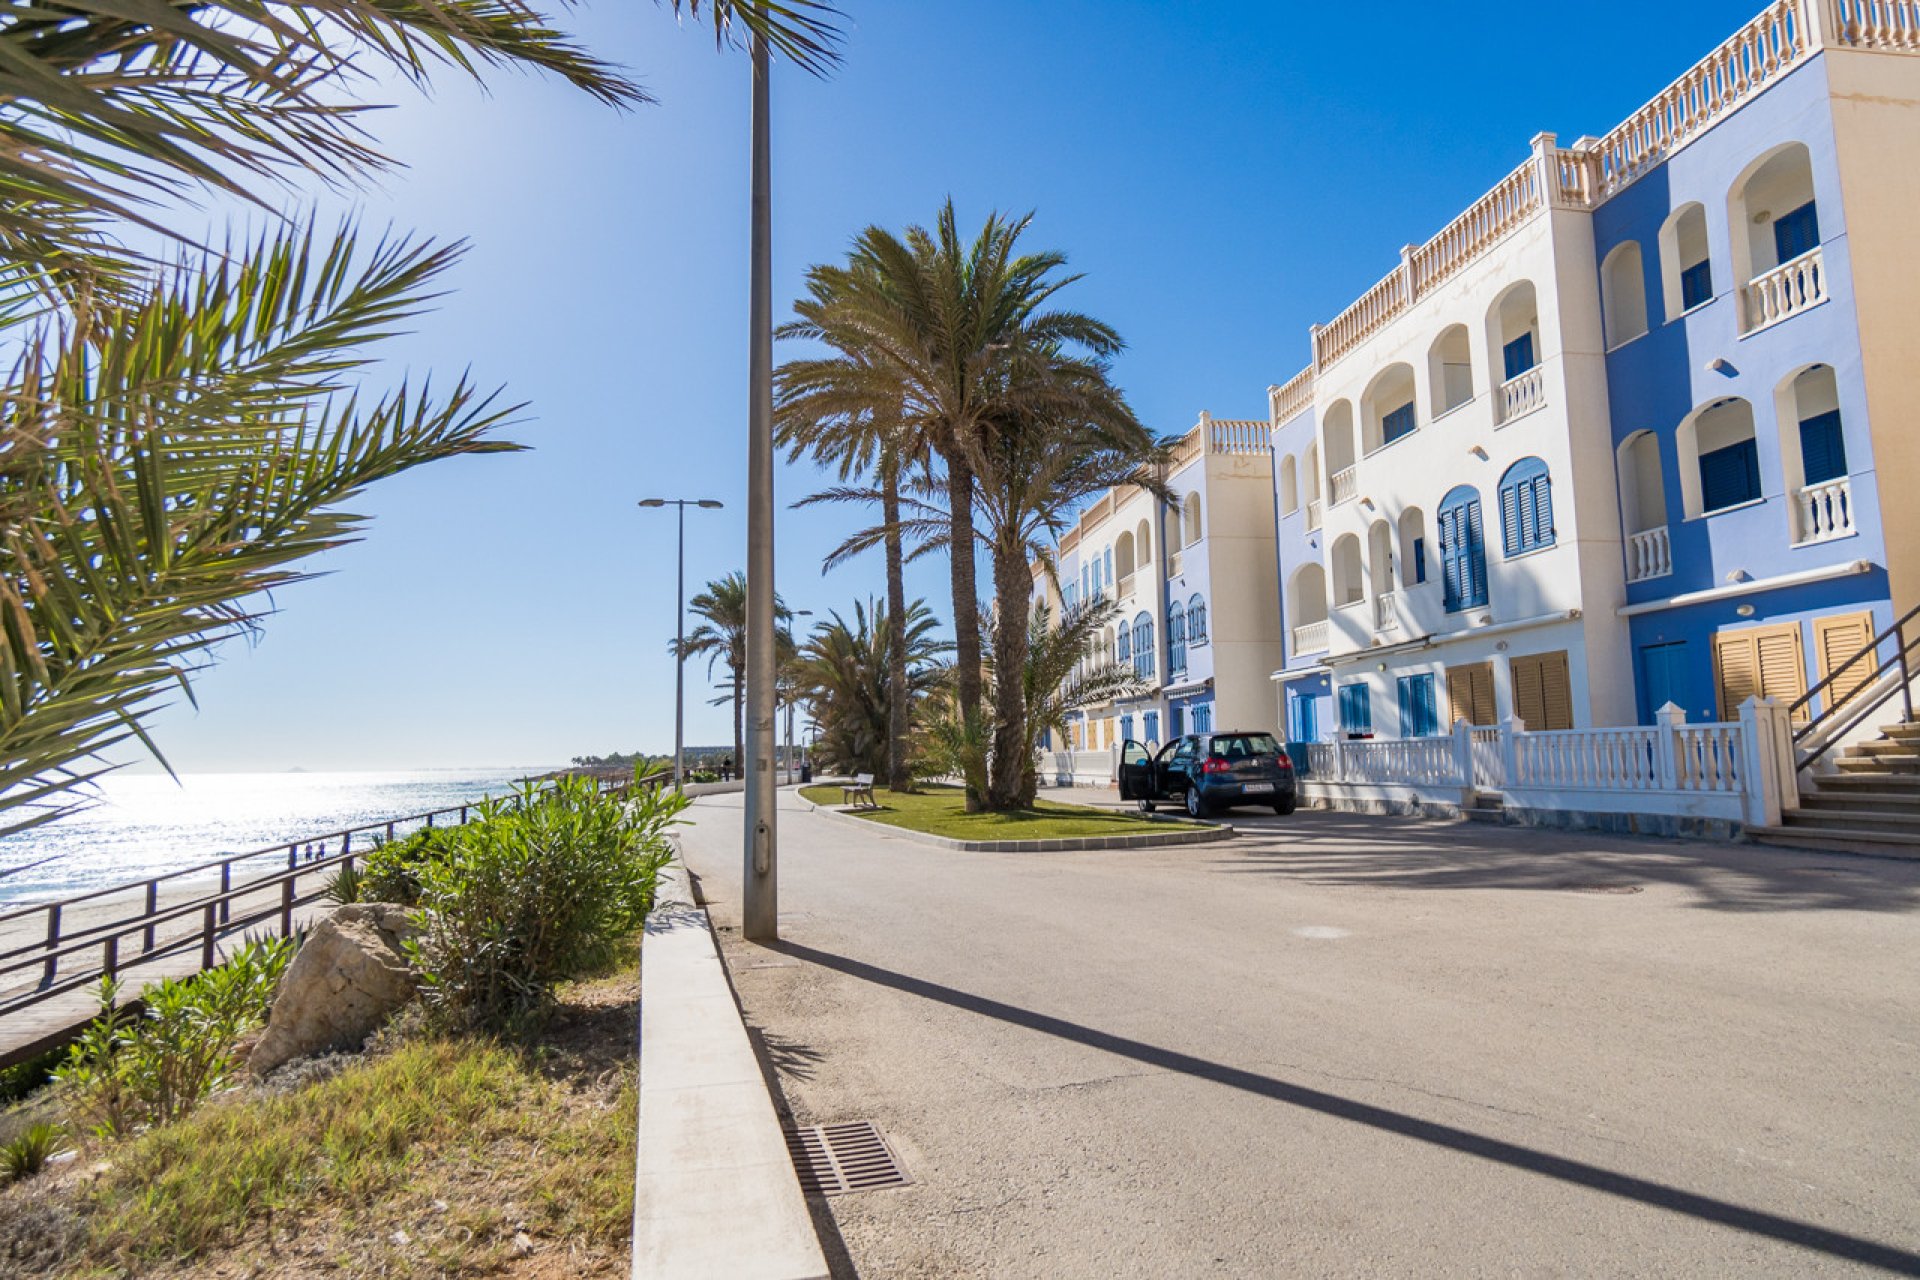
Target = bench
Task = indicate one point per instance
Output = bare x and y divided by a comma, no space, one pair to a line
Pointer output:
859,791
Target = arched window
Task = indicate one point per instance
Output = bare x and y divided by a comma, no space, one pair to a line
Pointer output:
1514,344
1773,219
1686,271
1122,646
1289,486
1813,455
1123,558
1143,543
1719,457
1413,547
1108,560
1623,291
1190,509
1338,431
1143,646
1450,370
1197,620
1176,639
1463,550
1386,409
1349,586
1526,507
1380,555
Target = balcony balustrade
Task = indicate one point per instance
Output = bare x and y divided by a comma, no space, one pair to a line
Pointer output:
1522,395
1126,586
1824,511
1345,485
1316,513
1785,291
1311,637
1385,616
1649,555
1173,565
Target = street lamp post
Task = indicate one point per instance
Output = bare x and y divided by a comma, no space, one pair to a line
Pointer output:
680,634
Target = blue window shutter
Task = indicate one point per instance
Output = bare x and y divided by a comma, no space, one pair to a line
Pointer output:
1423,686
1518,355
1407,728
1796,232
1398,423
1730,476
1526,507
1153,726
1419,560
1512,538
1475,564
1696,284
1823,449
1122,645
1126,727
1449,558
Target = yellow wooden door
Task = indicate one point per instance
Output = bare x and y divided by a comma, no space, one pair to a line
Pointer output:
1766,662
1543,690
1836,640
1470,694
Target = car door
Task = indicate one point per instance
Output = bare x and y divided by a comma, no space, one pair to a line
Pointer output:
1175,766
1136,771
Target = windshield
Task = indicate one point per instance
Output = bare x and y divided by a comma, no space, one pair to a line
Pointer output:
1242,746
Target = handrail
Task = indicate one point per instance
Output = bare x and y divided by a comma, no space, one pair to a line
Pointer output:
1901,648
214,908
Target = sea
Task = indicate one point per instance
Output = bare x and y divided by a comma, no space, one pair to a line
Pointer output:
147,824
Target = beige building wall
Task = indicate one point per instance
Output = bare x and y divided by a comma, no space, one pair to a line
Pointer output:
1244,609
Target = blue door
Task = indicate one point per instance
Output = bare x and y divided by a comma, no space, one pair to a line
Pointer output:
1663,677
1303,720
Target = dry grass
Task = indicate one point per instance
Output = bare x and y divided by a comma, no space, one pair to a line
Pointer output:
439,1156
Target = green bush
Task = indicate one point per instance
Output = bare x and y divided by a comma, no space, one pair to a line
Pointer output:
543,886
28,1154
130,1070
391,873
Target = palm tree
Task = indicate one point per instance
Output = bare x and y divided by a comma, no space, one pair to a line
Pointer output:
834,409
844,674
176,437
722,637
948,330
1067,669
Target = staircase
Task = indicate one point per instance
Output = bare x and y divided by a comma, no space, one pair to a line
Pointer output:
1871,804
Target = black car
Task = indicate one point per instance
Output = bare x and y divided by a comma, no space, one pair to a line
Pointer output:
1208,771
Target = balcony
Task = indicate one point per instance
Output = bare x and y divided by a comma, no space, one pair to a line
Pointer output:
1126,586
1311,637
1649,555
1784,292
1823,512
1345,485
1385,616
1315,514
1522,395
1173,565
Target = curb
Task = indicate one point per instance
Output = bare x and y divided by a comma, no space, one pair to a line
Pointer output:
715,1193
1194,834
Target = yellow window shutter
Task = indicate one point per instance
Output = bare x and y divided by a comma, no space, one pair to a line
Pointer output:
1783,667
1470,694
1529,693
1837,640
1557,685
1736,669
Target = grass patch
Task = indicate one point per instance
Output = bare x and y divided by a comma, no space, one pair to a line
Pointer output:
940,811
444,1154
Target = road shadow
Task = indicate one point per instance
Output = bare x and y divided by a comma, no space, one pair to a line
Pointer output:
1579,1173
1414,853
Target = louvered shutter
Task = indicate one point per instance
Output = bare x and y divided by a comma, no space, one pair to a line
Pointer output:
1543,690
1529,698
1837,640
1511,505
1543,509
1823,450
1736,667
1470,694
1476,563
1783,669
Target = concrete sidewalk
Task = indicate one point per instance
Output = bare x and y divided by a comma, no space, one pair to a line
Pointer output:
1347,1046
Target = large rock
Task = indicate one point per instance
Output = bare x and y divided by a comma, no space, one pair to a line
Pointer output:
347,977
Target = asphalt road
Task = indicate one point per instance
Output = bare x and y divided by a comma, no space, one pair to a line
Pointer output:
1345,1046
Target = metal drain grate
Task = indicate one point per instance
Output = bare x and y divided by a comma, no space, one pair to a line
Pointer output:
834,1159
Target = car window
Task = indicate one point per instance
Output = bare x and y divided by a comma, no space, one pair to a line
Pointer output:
1243,746
1132,752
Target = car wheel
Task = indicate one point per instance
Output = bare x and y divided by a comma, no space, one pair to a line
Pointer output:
1146,806
1283,807
1196,807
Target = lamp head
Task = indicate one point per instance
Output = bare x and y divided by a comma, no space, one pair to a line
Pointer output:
712,504
653,502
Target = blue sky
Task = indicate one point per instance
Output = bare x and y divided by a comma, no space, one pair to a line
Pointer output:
1224,174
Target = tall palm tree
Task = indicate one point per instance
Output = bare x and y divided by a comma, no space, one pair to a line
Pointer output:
721,636
948,330
1067,669
175,437
834,409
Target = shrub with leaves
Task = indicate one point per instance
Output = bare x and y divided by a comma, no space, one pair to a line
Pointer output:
543,886
28,1153
391,873
128,1070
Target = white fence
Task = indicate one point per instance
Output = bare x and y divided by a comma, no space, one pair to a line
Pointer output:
1737,772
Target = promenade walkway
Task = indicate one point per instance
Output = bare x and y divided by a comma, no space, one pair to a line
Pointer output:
1346,1046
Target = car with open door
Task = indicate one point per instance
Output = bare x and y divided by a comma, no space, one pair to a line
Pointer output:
1203,772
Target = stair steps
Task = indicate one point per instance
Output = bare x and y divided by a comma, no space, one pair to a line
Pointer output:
1870,805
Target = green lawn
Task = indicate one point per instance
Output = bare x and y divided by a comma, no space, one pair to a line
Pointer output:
937,810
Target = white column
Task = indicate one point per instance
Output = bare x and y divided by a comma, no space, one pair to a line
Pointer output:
1463,753
1510,730
1667,720
1503,708
1760,772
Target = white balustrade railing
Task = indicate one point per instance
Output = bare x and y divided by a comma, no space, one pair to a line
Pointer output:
1824,511
1757,55
1510,203
1286,401
1344,485
1572,759
1316,513
1311,637
1876,24
1706,756
1385,616
1174,563
1785,291
1239,437
1125,588
1489,762
1414,761
1521,395
1319,759
1649,554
